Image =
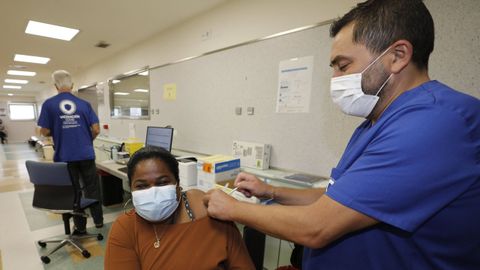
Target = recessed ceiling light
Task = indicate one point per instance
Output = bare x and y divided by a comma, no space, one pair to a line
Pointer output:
121,94
21,73
16,81
12,87
50,30
10,94
31,59
141,90
115,81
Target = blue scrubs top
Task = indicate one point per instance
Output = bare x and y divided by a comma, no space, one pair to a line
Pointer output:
417,171
69,119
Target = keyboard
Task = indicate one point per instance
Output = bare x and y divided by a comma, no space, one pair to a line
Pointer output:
123,169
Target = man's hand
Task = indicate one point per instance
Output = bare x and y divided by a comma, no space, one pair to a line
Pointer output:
219,204
250,185
45,132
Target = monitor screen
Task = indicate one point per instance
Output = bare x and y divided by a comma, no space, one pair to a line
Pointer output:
160,136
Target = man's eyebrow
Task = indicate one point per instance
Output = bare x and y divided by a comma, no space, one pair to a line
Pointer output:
337,59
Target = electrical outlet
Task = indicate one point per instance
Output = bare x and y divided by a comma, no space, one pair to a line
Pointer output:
250,111
206,35
238,110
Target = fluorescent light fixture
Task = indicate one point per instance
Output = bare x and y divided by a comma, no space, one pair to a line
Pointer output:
141,90
115,81
12,86
50,30
21,73
16,81
10,94
31,59
121,94
145,73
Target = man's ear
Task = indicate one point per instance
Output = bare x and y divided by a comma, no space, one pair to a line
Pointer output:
401,55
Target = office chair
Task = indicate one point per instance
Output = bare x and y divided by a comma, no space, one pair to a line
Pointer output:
54,191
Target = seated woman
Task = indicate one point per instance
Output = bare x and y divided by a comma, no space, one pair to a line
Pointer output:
170,229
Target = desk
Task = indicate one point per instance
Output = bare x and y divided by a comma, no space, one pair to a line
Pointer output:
272,177
111,167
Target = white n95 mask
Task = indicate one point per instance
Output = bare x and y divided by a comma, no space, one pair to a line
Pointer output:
346,91
156,203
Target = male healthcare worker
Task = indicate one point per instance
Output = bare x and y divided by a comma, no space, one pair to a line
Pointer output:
73,125
406,192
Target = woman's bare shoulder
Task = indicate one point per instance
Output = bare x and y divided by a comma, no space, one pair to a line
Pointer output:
195,198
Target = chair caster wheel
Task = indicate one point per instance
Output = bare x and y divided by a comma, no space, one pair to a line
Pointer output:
86,254
99,237
45,259
42,244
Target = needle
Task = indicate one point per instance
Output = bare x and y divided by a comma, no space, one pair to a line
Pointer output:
232,191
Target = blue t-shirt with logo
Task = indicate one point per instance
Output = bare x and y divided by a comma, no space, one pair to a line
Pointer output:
69,119
417,171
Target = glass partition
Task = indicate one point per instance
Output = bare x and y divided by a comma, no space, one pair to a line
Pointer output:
130,95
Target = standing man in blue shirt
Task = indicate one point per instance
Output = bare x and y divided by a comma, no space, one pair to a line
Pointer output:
73,125
406,192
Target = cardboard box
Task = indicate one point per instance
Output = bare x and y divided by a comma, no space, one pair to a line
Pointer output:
217,169
252,155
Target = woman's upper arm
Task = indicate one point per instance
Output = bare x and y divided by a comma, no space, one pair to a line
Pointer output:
120,252
238,257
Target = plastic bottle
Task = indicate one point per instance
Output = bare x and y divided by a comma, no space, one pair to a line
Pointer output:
114,153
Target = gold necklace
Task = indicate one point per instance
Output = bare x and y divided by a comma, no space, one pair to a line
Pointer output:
156,244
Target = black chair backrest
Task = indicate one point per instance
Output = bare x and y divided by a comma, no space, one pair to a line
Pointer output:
54,189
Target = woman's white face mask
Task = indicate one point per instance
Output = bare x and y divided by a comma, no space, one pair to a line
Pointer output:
346,91
156,203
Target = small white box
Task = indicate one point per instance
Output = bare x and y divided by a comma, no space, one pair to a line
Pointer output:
187,172
253,155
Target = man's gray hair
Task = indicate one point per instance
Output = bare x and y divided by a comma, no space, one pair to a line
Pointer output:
62,79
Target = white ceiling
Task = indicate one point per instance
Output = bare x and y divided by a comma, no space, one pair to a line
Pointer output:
122,23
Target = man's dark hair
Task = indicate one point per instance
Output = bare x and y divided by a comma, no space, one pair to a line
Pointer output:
152,152
379,23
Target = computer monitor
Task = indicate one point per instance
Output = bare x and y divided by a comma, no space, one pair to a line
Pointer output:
160,136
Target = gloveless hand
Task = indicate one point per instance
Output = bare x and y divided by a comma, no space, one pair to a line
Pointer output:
219,204
250,185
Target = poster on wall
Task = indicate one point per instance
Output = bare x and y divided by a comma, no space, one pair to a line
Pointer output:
170,91
295,85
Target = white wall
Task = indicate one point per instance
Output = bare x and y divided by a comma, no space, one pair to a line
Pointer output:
235,22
